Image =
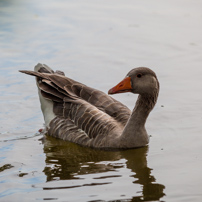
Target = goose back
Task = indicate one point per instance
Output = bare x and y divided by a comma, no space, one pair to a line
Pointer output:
83,114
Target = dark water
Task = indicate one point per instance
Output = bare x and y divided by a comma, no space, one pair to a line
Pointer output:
68,172
97,43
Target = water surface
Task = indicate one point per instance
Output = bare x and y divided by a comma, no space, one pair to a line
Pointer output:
97,43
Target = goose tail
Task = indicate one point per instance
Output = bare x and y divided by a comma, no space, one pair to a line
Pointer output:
43,68
46,105
40,72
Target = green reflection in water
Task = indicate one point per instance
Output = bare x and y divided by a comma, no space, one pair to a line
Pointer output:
67,161
5,167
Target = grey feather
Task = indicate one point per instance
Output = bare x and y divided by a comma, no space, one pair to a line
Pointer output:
88,116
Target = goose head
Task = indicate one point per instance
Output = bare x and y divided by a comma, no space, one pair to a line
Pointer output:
139,80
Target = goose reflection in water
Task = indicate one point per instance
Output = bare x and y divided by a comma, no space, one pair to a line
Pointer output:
68,161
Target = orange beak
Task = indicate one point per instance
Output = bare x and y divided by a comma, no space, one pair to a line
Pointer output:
122,87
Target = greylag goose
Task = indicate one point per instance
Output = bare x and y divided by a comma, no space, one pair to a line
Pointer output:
77,113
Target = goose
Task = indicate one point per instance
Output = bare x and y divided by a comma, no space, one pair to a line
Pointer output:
83,115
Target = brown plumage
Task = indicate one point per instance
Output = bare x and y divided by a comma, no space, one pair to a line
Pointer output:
86,116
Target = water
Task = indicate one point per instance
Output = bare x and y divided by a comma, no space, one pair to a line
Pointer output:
97,43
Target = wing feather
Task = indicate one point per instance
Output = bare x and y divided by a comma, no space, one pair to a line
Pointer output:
81,111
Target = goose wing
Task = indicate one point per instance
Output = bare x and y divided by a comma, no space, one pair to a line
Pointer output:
56,86
83,115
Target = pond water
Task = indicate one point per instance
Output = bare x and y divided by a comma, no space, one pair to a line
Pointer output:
97,43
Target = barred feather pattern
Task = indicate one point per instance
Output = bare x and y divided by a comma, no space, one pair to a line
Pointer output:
86,116
82,113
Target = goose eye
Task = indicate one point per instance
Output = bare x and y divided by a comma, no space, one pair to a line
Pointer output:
139,75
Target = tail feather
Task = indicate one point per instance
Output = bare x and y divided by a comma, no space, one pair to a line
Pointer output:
42,72
43,68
